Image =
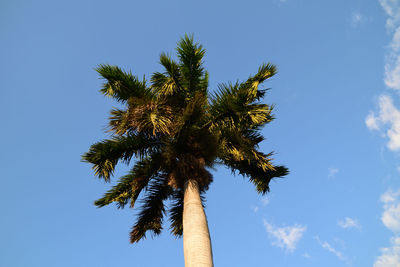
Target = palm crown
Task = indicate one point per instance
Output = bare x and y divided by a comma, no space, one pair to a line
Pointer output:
177,131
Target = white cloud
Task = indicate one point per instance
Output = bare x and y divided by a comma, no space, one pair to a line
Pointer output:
392,9
395,43
349,223
285,237
328,247
332,172
391,210
372,122
392,65
390,256
388,115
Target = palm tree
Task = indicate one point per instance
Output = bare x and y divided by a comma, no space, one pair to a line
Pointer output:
176,130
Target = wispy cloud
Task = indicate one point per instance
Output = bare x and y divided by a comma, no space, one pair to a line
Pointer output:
285,237
392,9
392,65
388,118
390,256
332,171
329,248
349,223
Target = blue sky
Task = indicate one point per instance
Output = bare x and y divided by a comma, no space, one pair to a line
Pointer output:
337,128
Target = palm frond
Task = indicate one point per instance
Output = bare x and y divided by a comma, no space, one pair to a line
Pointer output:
190,55
152,118
165,84
192,115
259,176
152,211
104,155
230,107
226,104
176,213
238,146
129,186
119,121
122,85
265,71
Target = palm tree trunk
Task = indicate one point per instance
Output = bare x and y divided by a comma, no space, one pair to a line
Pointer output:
196,237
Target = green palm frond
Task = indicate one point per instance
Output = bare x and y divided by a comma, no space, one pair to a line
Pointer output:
152,211
163,85
265,71
104,155
168,83
192,115
241,153
119,121
227,104
152,118
238,151
190,55
232,107
176,213
122,85
259,176
129,186
256,115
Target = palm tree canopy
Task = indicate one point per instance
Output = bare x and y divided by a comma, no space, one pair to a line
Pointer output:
176,130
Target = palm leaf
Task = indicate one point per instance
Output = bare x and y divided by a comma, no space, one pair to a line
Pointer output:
122,85
168,83
129,186
176,213
259,176
152,211
152,118
190,55
265,71
104,155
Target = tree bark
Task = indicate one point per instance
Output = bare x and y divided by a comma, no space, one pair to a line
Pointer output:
196,237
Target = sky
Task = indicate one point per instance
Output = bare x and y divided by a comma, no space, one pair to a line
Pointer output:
337,129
